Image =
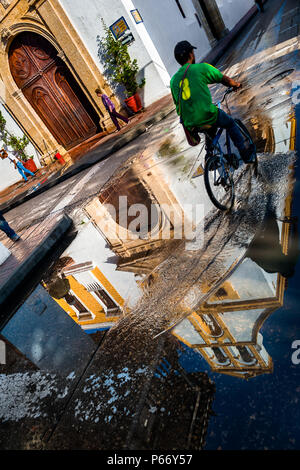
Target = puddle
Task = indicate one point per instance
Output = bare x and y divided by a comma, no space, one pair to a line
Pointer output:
226,329
98,315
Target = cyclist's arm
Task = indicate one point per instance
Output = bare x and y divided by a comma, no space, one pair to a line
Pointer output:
227,81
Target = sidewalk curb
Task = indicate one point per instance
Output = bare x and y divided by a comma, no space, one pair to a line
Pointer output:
120,142
17,277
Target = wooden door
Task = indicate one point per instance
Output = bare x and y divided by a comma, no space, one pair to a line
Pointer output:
51,90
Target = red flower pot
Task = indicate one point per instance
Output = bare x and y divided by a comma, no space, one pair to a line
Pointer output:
59,157
138,101
30,165
134,103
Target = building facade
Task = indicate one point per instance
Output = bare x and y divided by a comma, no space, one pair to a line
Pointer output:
48,77
51,66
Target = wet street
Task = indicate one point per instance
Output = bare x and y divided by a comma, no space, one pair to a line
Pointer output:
160,322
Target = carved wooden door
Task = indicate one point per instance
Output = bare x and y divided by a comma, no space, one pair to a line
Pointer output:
52,91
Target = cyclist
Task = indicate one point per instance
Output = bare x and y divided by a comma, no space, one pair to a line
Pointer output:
196,107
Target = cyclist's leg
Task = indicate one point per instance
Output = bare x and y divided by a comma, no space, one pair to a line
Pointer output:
209,137
226,122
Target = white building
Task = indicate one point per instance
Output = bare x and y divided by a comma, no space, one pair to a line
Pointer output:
163,24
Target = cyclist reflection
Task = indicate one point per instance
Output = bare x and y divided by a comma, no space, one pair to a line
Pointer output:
266,250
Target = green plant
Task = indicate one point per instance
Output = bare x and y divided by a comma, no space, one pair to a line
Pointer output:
17,144
120,68
2,124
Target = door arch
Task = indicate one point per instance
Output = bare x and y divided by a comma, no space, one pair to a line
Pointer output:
51,89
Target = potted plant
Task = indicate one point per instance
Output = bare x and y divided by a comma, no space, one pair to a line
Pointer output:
18,145
120,68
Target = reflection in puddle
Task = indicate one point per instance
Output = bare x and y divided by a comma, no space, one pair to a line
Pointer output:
225,330
107,269
122,274
105,274
102,280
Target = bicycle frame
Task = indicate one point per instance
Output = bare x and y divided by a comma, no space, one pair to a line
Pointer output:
221,163
215,142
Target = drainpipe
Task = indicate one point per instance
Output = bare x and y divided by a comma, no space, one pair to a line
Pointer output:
212,20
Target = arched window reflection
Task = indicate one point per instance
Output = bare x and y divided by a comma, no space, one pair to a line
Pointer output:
214,329
246,355
221,358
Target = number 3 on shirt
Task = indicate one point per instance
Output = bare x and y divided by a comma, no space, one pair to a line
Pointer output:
186,91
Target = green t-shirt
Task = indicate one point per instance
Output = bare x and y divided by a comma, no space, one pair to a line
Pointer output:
197,108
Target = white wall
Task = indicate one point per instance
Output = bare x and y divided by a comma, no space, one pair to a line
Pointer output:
86,17
233,10
166,26
9,175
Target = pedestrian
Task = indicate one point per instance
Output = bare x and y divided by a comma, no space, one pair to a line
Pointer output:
110,108
21,169
191,95
7,229
260,5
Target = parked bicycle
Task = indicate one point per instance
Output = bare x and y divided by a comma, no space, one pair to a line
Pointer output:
221,164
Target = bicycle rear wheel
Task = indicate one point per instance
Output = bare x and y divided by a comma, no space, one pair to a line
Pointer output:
219,183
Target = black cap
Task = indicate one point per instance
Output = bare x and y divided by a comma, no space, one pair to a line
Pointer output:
182,48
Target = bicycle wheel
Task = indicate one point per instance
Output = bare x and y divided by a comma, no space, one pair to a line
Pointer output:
219,183
249,141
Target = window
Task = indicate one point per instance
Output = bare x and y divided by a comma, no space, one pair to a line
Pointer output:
247,356
81,272
221,358
81,312
198,19
5,3
180,8
112,309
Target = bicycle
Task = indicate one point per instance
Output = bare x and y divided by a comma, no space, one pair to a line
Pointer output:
220,166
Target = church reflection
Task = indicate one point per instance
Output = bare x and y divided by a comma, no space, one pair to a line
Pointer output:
226,329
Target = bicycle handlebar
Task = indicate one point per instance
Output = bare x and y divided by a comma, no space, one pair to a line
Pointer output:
229,90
